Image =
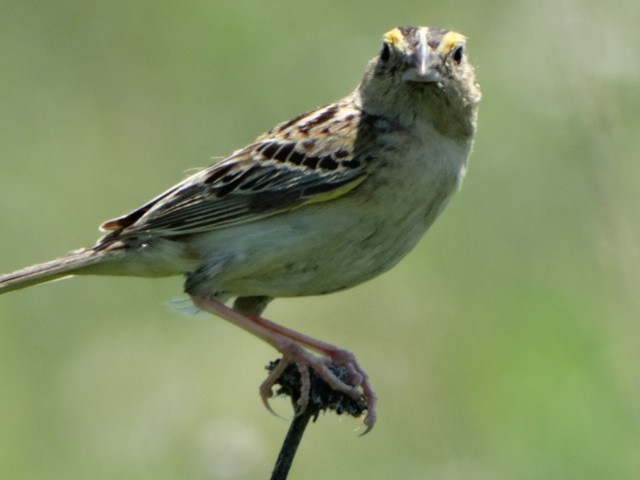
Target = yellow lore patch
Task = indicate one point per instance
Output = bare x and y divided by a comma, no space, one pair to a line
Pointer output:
394,37
452,40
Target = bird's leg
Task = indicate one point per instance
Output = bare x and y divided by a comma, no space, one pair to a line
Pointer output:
293,347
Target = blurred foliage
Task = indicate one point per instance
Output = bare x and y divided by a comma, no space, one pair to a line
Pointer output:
504,347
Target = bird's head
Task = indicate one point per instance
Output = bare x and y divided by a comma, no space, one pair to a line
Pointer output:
422,71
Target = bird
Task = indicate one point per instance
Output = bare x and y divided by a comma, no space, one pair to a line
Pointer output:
320,203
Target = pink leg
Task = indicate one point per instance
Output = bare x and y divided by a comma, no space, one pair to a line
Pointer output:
290,343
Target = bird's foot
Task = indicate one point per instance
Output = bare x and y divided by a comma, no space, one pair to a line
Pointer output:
295,348
352,380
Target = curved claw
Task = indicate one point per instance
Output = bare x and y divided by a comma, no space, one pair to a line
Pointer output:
265,387
369,419
267,405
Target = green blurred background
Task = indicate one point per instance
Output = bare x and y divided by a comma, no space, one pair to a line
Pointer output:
504,347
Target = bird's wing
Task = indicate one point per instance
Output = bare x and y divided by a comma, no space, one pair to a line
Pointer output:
310,159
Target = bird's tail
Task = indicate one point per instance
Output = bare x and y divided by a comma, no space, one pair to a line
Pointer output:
73,263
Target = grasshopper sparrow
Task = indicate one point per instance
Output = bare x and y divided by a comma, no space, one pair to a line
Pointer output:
320,203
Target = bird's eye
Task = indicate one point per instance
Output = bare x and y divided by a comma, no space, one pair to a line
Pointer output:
385,53
457,54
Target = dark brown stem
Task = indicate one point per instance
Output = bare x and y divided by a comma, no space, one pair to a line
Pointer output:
290,445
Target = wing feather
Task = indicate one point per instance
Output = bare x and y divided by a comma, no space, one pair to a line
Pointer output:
284,169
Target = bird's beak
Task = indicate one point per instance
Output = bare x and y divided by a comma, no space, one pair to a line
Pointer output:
425,68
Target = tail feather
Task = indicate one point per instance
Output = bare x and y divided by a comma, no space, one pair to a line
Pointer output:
70,264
